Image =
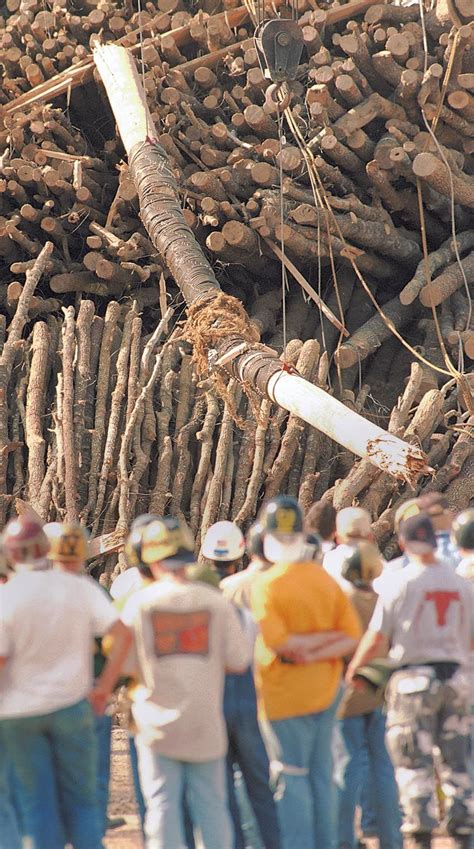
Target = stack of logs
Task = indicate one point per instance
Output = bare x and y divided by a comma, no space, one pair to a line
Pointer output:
98,421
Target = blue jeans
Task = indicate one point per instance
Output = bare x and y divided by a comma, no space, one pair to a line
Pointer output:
55,754
188,826
305,807
10,837
360,734
136,781
164,783
103,733
368,819
247,750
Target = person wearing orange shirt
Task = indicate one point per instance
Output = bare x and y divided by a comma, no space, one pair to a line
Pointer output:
307,625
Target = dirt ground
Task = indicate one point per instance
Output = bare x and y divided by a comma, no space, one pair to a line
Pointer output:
122,797
122,803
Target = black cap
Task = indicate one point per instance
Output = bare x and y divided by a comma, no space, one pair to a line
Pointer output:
462,531
281,515
417,534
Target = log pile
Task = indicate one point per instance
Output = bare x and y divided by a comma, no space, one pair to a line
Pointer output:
101,418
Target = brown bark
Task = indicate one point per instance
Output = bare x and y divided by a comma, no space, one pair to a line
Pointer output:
448,282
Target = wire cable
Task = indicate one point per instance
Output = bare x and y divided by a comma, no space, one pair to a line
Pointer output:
282,223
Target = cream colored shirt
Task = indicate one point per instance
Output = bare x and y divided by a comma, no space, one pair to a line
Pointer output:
186,636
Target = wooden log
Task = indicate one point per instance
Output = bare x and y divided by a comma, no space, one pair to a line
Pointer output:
448,282
371,335
429,168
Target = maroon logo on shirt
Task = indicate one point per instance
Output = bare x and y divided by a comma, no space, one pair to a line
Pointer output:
442,600
181,633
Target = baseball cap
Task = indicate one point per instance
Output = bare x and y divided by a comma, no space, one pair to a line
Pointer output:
169,541
407,509
417,534
353,522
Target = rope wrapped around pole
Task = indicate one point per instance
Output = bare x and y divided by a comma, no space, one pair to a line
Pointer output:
251,363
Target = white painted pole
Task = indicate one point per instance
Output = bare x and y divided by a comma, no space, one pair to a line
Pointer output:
318,408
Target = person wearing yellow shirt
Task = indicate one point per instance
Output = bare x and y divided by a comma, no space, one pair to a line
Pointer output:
307,625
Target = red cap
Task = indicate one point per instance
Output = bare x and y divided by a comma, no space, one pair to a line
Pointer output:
24,540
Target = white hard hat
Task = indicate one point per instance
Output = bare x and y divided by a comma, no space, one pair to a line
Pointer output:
126,583
223,541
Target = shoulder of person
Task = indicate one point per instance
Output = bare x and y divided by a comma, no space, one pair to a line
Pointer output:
85,582
233,581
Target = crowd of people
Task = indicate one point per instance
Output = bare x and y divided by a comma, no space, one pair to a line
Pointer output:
296,666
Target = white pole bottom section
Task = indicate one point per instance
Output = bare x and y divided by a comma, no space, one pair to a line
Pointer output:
318,408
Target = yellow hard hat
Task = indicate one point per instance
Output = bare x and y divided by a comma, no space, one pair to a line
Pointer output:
68,542
167,539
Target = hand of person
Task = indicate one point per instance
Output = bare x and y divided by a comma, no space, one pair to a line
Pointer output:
349,676
351,679
98,698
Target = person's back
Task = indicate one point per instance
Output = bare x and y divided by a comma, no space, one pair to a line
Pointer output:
428,609
363,769
49,623
425,616
298,598
48,620
184,643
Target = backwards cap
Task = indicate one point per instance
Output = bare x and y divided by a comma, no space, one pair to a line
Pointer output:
407,509
167,541
24,541
353,522
417,534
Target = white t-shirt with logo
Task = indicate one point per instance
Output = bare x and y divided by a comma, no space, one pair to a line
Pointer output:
186,636
48,621
427,614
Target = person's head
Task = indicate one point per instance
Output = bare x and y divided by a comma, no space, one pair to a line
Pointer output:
321,519
25,543
282,521
134,542
462,532
407,509
68,545
363,565
313,547
224,545
254,544
167,547
418,539
436,506
353,524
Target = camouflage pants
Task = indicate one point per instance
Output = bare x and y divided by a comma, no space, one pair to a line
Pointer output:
424,713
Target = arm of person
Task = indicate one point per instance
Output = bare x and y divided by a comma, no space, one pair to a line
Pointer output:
122,640
320,645
341,645
265,611
373,644
5,644
376,640
238,652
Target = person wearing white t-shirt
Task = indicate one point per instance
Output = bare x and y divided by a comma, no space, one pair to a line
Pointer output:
425,619
186,637
48,620
10,837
